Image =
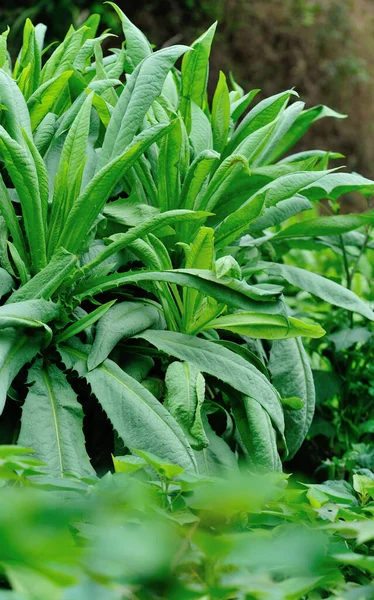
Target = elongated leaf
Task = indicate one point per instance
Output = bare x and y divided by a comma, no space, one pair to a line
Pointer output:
69,175
142,88
83,323
45,283
137,45
62,59
333,185
28,64
221,181
335,225
185,391
257,435
16,117
31,313
195,71
139,419
93,198
43,99
265,326
237,222
52,421
23,172
263,113
16,349
300,127
292,376
169,167
221,114
11,221
231,293
321,287
122,321
196,176
285,209
224,365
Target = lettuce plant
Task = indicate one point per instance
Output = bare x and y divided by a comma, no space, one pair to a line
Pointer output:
136,231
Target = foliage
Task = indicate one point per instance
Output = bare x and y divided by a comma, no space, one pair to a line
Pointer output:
137,255
342,369
171,534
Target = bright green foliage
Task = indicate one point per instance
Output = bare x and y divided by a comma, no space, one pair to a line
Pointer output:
144,234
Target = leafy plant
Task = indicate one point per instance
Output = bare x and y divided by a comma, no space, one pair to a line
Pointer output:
135,253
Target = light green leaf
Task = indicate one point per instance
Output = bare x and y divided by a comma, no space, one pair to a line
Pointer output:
195,72
137,45
43,99
221,114
139,419
334,225
6,282
265,326
321,287
16,117
185,393
169,167
52,421
83,323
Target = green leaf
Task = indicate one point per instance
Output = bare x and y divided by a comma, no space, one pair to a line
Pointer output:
139,419
223,364
62,59
238,107
196,176
169,167
128,463
52,421
6,282
83,323
334,185
122,321
93,198
263,113
265,326
292,376
68,178
167,470
31,313
25,176
27,68
321,287
137,45
185,393
300,127
44,98
195,72
221,181
11,221
143,87
231,292
16,117
285,209
257,434
237,222
16,349
217,459
221,114
334,225
45,283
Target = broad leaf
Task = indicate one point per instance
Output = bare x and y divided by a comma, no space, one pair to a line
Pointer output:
52,421
292,376
137,416
224,365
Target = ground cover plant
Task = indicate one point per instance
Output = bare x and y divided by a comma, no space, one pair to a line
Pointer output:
148,285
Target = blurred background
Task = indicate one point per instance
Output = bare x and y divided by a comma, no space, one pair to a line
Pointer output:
323,48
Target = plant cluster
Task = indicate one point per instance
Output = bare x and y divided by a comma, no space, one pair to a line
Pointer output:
152,531
153,306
